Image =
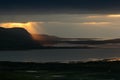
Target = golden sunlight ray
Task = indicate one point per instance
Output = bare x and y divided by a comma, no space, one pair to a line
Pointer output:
114,16
29,26
96,23
94,16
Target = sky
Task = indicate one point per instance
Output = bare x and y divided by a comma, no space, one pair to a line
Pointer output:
63,18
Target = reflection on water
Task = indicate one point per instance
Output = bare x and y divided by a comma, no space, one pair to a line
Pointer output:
54,55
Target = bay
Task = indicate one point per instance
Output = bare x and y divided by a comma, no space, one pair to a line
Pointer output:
58,55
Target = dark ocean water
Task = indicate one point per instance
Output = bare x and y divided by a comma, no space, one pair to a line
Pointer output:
61,55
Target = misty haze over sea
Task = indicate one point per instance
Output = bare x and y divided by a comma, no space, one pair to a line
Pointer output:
58,55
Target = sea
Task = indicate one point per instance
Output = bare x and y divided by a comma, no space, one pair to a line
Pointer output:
59,55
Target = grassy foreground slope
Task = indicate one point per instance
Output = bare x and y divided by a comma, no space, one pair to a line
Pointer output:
100,70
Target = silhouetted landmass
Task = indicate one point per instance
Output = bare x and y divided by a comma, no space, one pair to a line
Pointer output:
94,42
53,42
20,39
16,38
63,47
91,41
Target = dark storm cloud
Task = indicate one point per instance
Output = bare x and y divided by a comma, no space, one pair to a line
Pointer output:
59,6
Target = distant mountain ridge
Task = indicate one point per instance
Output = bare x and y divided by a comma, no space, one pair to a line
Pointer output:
59,42
45,37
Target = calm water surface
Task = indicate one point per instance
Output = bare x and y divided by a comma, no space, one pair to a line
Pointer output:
53,55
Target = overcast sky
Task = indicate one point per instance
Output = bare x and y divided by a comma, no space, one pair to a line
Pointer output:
65,18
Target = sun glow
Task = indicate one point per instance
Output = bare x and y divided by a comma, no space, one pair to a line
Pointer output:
94,16
114,16
96,23
29,26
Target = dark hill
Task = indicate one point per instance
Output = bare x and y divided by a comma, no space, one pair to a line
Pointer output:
16,38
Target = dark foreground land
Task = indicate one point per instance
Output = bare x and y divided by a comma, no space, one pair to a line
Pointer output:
100,70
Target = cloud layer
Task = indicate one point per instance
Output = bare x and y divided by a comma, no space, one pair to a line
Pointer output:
59,6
